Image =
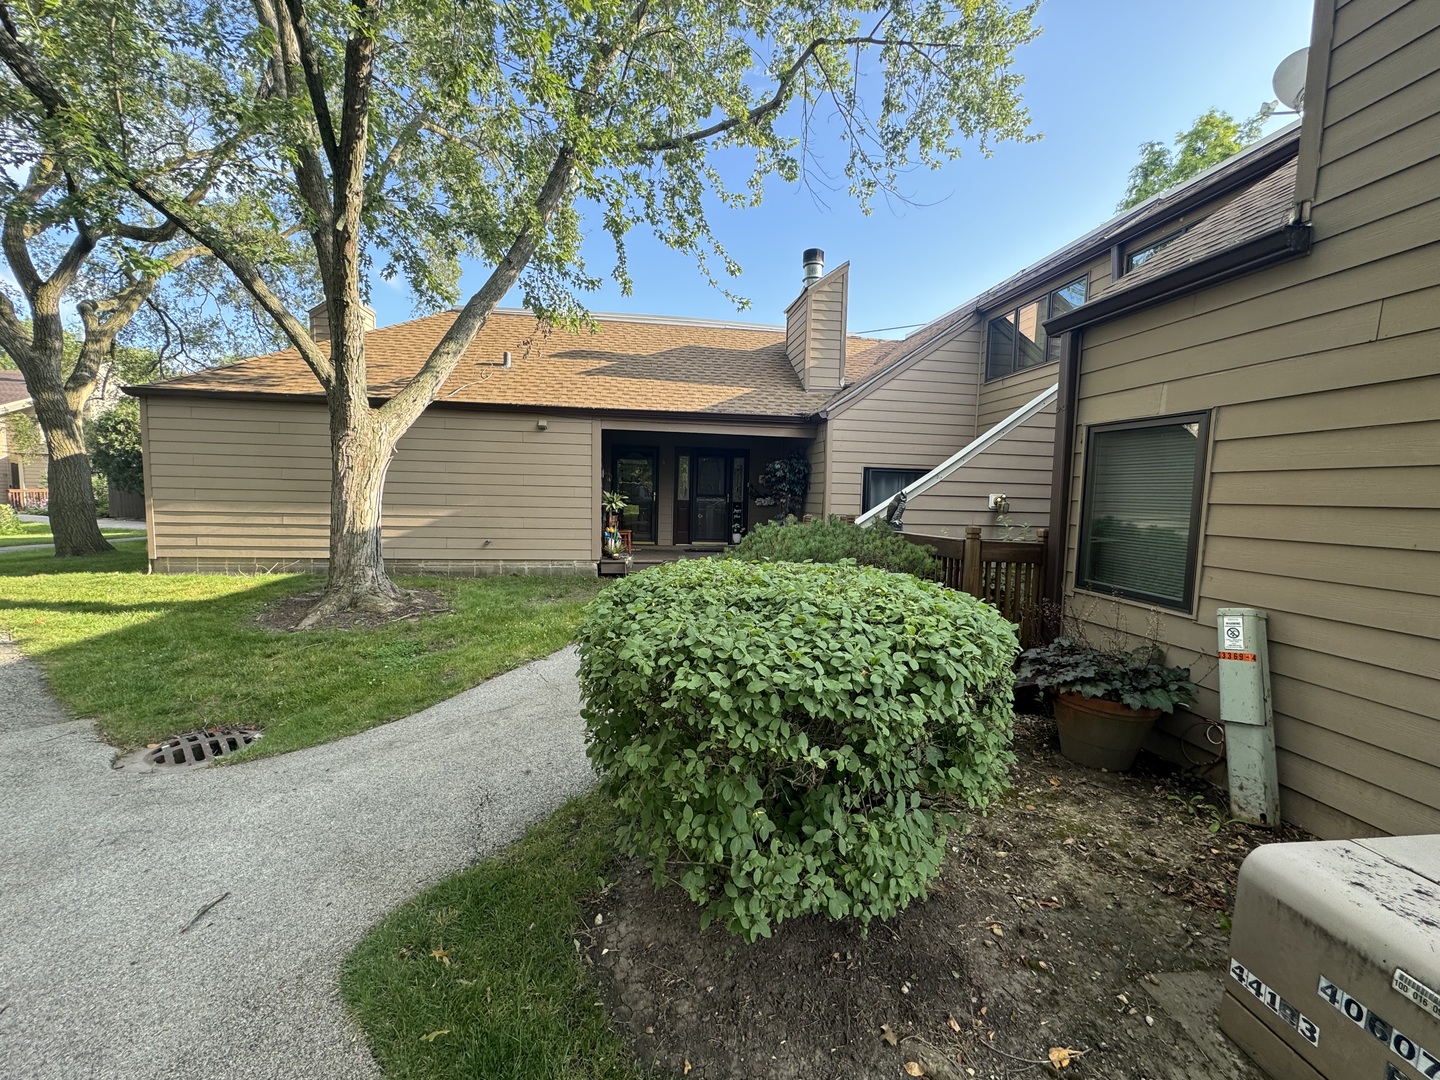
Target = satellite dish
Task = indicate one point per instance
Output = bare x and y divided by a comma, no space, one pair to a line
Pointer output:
1289,79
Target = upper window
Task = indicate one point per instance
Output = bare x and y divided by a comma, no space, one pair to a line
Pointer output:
1017,338
1139,528
1140,256
881,485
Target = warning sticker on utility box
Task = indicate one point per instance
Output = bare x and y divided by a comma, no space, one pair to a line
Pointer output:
1417,991
1232,632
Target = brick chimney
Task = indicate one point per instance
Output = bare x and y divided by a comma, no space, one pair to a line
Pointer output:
815,324
320,320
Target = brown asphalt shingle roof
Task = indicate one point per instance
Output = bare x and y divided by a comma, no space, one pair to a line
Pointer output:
1261,208
628,364
12,387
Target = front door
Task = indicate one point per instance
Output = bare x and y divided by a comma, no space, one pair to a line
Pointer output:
635,476
717,488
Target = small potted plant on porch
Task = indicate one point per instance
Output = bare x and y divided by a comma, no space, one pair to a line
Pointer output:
613,503
1106,700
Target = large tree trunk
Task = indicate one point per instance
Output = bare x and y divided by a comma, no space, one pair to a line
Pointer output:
361,446
72,499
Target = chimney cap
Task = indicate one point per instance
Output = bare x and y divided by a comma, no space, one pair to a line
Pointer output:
813,255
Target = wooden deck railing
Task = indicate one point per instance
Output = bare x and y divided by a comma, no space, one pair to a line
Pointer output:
1007,574
28,498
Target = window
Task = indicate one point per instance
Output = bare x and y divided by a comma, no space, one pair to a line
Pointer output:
882,484
1140,256
1139,528
1017,339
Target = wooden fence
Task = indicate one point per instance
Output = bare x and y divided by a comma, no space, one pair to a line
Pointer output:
1007,574
126,504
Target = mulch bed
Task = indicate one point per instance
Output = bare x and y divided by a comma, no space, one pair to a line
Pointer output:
284,615
1048,920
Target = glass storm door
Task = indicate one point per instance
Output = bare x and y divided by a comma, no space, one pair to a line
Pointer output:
635,474
710,490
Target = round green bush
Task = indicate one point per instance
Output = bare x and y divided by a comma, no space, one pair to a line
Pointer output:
9,520
835,540
787,739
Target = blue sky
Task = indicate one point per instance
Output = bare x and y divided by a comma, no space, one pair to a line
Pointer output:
1105,76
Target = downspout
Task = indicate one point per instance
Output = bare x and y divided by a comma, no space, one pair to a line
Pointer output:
1066,400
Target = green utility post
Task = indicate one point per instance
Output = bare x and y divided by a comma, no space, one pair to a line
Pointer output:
1245,710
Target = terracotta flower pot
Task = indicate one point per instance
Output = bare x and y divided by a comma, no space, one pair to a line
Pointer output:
1101,734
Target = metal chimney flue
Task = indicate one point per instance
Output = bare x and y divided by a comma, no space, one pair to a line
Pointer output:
814,263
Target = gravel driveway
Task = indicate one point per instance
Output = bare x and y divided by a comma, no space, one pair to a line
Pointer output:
100,869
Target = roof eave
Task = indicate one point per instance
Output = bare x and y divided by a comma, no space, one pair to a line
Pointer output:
1267,249
291,398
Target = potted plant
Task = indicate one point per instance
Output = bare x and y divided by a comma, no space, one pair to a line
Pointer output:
1106,701
613,503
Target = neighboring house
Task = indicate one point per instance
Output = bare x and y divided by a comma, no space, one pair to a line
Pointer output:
21,468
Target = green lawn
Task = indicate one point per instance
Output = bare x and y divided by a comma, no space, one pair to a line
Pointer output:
38,532
479,977
148,656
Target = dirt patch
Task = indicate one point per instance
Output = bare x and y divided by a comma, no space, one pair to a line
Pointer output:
284,616
1052,919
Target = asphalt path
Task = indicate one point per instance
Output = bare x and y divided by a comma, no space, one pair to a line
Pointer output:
105,969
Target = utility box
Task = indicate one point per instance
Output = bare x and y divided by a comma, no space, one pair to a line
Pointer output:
1335,960
1244,660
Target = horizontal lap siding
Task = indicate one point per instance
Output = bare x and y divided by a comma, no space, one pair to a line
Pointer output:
915,420
252,480
815,496
1019,465
1323,501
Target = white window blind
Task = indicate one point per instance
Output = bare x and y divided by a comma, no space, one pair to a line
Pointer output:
1139,522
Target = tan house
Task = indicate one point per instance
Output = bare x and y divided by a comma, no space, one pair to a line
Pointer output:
504,471
1246,372
22,466
1250,417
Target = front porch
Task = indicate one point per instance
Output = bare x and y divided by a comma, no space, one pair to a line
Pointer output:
690,493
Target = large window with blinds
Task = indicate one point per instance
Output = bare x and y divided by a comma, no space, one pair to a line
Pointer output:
1140,518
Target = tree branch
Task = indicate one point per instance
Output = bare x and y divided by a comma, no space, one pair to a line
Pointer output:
13,338
782,89
17,58
402,409
16,234
314,79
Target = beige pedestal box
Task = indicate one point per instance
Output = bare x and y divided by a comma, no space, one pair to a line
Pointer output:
1335,960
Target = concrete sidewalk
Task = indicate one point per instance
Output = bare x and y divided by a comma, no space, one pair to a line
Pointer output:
104,523
100,869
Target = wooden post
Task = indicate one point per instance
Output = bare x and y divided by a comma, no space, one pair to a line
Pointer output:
970,570
1043,535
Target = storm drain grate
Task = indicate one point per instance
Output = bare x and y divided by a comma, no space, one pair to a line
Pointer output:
197,747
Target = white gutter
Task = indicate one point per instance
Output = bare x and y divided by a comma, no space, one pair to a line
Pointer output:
16,406
977,447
